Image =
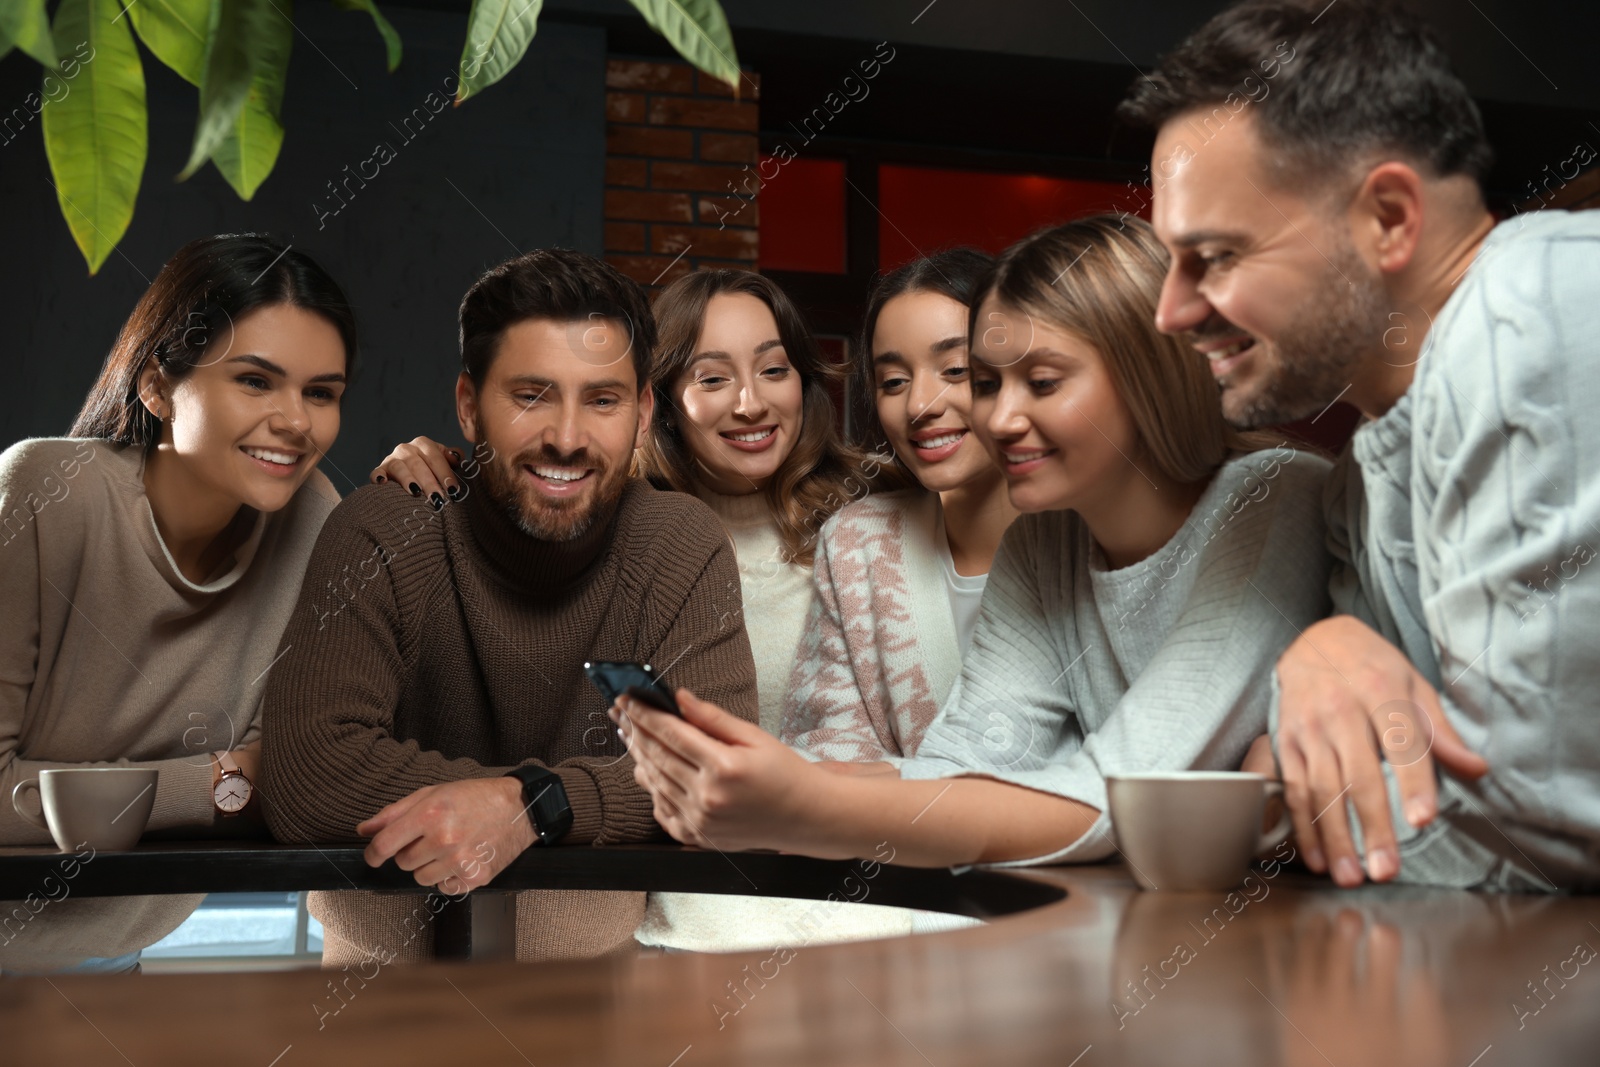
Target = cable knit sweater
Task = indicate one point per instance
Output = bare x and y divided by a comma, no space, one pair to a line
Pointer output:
109,656
428,647
1466,526
880,651
1078,671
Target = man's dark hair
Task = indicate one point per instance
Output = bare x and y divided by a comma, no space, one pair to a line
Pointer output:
557,284
1368,77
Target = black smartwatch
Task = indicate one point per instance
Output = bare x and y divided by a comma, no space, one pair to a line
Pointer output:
545,800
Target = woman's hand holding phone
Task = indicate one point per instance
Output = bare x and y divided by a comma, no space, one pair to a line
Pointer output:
720,782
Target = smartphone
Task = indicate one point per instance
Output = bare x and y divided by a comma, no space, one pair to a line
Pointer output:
635,680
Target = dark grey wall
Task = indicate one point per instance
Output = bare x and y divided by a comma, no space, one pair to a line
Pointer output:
1526,51
519,167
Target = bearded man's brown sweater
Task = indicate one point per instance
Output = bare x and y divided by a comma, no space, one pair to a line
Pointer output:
429,647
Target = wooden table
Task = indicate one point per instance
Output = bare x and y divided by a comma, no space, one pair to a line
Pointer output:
1290,973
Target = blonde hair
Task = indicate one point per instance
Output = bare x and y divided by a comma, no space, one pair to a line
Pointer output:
1100,279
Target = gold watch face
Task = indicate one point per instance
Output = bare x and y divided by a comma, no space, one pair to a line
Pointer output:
232,793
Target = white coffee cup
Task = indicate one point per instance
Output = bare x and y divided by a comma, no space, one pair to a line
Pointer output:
106,808
1187,830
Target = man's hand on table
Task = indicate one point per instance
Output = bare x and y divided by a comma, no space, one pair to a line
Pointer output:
1347,696
457,836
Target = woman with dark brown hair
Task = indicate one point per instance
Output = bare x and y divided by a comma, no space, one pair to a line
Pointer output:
149,562
900,575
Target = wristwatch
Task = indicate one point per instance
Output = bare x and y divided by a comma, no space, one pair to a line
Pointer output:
233,790
545,800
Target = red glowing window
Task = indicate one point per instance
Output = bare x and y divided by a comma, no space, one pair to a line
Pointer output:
802,215
924,209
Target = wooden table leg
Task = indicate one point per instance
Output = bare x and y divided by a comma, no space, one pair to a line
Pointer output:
481,928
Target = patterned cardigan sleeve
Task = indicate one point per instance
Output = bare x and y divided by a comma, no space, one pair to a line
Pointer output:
826,715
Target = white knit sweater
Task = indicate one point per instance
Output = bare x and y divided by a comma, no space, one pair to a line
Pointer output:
775,593
776,597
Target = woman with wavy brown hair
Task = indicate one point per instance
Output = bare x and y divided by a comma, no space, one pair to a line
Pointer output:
746,422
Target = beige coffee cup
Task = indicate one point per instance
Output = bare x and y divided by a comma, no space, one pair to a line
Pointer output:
1188,830
106,808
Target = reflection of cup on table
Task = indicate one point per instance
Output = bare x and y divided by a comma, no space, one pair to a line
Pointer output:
106,808
1192,829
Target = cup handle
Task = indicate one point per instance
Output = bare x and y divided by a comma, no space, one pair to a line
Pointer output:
16,802
1279,833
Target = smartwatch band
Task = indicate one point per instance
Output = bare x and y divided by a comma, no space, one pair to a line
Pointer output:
545,800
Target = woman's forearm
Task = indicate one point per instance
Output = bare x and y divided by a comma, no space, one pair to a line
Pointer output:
942,822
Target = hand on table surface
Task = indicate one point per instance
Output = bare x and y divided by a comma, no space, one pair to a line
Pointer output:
1347,699
457,836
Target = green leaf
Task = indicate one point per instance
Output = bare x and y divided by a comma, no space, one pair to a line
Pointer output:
24,25
391,39
175,31
247,155
233,42
699,31
498,35
97,134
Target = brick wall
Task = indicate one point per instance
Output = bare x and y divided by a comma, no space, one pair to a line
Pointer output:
676,140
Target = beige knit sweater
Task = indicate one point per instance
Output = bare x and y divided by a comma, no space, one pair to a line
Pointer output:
430,647
108,655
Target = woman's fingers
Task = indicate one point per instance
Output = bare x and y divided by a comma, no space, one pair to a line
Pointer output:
673,736
669,803
718,723
665,763
441,463
411,472
425,468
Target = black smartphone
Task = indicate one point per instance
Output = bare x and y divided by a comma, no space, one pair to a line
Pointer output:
636,680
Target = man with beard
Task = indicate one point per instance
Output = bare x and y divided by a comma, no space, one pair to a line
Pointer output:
1317,177
430,693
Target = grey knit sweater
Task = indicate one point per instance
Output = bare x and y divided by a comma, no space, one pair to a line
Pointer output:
1077,671
1467,525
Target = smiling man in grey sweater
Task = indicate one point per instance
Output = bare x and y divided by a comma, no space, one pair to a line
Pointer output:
1330,239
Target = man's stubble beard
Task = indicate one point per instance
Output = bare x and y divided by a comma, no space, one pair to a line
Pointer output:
1318,356
550,520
